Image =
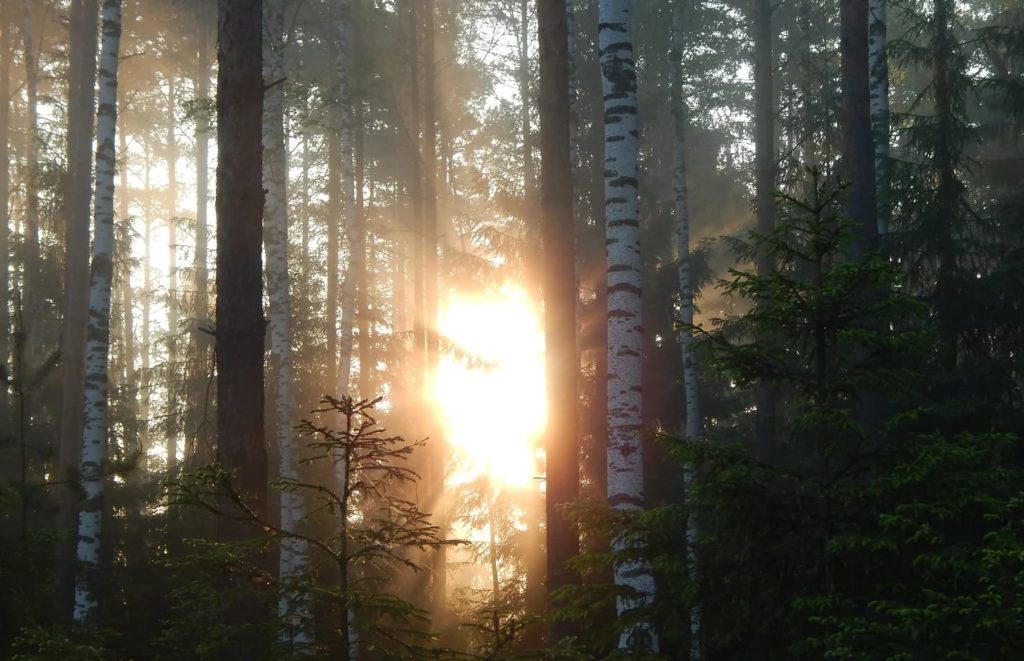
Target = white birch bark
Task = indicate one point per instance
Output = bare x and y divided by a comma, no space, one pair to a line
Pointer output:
686,343
94,434
294,609
878,70
625,332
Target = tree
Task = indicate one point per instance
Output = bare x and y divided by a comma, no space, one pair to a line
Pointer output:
239,318
764,185
559,259
81,108
858,145
878,69
356,253
625,333
94,429
33,258
293,607
686,340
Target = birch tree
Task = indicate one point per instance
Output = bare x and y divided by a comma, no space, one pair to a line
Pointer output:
625,332
94,433
293,608
686,341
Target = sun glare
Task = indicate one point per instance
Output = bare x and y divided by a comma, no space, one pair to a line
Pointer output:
489,387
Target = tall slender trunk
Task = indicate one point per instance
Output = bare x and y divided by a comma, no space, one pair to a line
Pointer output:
127,297
949,190
240,324
201,339
356,247
146,382
173,408
625,332
765,178
294,608
416,198
6,47
32,265
686,341
559,298
94,434
335,209
362,275
81,110
878,65
809,107
437,457
523,79
858,149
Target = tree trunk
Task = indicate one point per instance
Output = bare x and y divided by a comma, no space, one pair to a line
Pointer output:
878,65
201,340
6,48
437,455
294,608
81,109
31,307
686,341
559,299
765,176
858,149
240,324
173,410
625,332
356,245
94,434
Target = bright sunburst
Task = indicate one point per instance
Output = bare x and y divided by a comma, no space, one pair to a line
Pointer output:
489,389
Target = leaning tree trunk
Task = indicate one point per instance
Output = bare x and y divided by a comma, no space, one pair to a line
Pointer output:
878,65
94,434
625,332
294,608
81,110
686,341
559,299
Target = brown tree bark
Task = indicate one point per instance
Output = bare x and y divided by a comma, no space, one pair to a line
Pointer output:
559,298
239,311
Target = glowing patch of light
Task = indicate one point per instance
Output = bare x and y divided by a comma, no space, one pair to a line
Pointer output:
489,387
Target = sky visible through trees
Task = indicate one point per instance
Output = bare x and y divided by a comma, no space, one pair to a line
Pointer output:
494,329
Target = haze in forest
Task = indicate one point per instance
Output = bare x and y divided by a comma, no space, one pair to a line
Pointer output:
494,329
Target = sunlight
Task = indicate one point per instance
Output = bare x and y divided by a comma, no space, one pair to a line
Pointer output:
489,388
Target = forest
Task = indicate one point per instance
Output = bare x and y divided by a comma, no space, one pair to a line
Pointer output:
502,329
